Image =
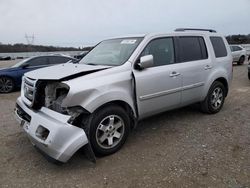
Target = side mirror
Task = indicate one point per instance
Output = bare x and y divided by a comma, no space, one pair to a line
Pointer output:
145,62
24,66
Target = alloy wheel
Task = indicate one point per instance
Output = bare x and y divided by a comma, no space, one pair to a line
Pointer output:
6,85
217,98
110,131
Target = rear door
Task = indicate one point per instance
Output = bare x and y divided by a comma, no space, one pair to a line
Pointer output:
158,88
193,57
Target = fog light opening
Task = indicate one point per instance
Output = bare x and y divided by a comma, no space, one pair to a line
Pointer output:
42,132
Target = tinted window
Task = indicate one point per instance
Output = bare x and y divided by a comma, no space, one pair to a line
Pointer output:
219,46
58,60
237,48
162,51
38,61
192,49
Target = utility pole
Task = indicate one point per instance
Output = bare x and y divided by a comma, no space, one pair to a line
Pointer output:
30,39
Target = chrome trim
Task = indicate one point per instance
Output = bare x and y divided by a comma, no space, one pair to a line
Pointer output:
193,86
28,90
159,94
171,91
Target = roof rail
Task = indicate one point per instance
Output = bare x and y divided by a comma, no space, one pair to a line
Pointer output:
195,29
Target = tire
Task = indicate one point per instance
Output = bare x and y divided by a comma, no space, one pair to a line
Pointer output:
241,60
211,105
249,75
108,129
6,84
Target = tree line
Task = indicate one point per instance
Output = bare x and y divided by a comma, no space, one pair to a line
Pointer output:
238,39
9,48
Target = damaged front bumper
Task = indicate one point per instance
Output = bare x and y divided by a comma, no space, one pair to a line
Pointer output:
49,131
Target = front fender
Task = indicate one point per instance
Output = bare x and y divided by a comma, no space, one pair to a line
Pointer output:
107,97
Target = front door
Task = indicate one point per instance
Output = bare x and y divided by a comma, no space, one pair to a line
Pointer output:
158,88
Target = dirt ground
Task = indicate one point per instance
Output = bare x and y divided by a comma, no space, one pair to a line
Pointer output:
181,148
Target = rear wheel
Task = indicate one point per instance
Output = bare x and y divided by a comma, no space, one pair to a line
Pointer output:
241,60
6,84
215,98
108,130
249,75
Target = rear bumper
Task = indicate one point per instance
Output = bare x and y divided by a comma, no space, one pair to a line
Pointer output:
50,132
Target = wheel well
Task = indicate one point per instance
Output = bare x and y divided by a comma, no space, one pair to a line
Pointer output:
242,56
224,82
126,107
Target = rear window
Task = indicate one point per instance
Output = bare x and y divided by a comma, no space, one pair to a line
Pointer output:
192,48
219,47
58,59
38,61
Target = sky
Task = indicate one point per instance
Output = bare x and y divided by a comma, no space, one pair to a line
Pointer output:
85,22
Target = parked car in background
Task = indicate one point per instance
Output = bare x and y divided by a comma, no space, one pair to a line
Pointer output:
11,78
95,103
239,54
248,70
81,55
5,58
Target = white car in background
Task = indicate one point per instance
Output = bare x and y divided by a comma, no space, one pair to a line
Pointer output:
239,54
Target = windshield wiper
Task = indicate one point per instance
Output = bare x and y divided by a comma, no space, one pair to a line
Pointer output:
90,64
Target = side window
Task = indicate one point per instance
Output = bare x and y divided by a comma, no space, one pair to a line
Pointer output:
162,50
235,48
219,47
38,61
238,48
58,60
192,48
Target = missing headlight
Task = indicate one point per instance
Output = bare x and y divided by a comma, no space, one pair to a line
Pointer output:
55,92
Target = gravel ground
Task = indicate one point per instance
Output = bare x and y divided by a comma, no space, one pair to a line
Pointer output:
181,148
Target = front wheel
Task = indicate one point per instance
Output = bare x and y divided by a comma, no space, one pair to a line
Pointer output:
215,98
241,60
109,128
6,84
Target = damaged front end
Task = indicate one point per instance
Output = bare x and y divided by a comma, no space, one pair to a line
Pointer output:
54,129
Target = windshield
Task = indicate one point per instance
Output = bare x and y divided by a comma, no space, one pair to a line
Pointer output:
112,52
21,62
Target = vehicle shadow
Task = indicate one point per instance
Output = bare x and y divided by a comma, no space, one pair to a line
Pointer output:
166,121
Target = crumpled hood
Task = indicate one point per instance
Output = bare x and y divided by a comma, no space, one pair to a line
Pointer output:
64,71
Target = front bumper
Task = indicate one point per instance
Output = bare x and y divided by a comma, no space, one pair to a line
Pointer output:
50,132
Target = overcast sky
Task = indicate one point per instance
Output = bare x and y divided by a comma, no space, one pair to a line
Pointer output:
83,22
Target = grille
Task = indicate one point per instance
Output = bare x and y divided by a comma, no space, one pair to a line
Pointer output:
29,89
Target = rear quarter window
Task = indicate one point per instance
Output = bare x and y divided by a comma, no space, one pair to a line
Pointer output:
219,47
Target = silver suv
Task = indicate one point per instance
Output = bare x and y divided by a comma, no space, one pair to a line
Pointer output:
94,104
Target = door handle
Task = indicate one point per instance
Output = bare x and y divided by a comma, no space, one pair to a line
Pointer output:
174,74
207,67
